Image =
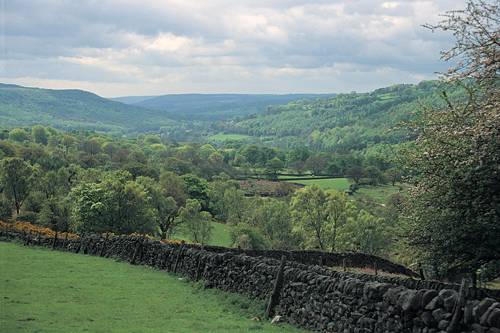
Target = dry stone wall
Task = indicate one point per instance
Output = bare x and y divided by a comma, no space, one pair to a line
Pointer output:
312,297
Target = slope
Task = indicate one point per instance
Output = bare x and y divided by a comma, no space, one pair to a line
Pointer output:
76,109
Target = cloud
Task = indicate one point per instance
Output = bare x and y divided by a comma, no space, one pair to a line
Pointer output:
248,46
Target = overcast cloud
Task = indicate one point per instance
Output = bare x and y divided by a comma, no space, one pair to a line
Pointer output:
128,47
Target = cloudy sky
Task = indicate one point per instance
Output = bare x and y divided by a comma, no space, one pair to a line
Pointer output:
151,47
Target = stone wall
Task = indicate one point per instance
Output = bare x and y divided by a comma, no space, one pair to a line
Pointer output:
312,297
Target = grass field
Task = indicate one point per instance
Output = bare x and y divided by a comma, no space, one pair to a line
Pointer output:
220,235
222,137
52,291
379,193
338,184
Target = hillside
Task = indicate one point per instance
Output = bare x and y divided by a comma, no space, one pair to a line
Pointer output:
341,123
214,107
76,109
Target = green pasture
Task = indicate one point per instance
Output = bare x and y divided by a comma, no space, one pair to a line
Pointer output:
338,184
52,291
220,235
380,192
222,137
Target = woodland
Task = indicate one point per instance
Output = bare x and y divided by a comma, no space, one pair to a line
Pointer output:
73,161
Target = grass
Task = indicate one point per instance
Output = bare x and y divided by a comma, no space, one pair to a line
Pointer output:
220,235
338,184
222,137
381,192
51,291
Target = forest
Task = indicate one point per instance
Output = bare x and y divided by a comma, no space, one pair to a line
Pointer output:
76,169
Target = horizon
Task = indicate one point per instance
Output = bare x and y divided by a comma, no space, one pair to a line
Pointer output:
114,48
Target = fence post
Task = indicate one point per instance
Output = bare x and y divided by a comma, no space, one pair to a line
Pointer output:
459,311
344,265
375,267
276,290
28,237
65,241
54,242
139,243
103,245
178,256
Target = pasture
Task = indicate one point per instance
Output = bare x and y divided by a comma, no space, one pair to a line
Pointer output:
52,291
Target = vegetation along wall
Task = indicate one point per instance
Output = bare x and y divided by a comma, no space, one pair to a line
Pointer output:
312,297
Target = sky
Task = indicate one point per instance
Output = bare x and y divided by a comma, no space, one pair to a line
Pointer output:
120,48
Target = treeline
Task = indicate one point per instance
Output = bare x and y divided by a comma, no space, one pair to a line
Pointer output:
339,124
87,182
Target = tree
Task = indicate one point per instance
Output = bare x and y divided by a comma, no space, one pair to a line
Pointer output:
394,175
197,188
273,167
300,167
476,30
166,210
375,175
68,142
117,205
91,147
19,135
452,216
366,234
318,213
18,179
39,134
316,164
196,223
355,174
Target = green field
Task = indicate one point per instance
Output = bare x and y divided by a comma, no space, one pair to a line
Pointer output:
223,137
52,291
220,235
338,184
380,192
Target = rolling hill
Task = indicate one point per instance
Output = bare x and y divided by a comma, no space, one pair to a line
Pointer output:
76,109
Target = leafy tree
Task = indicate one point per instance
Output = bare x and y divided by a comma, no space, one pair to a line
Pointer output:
91,147
205,151
224,205
197,188
452,215
300,167
394,175
6,150
117,205
273,167
476,31
68,142
166,210
5,209
216,157
375,175
177,166
138,169
247,237
197,224
318,213
18,179
39,134
56,214
316,164
355,174
19,135
366,234
274,219
152,139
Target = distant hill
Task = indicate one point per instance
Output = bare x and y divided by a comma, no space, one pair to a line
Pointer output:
214,107
76,109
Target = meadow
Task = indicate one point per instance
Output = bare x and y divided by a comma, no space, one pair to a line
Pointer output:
52,291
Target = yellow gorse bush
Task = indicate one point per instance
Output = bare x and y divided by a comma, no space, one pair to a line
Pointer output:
46,232
34,229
